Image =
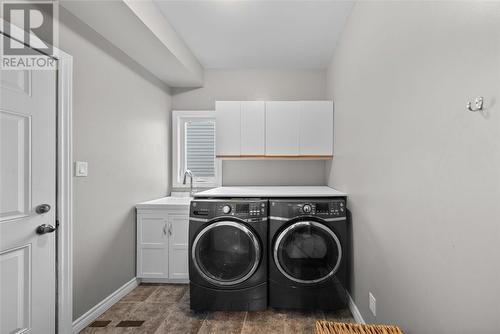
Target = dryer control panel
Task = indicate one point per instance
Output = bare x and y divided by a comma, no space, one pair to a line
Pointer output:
321,208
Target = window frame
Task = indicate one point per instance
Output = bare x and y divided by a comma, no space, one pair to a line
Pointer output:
179,118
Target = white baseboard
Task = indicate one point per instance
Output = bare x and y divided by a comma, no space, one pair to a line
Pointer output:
94,313
354,310
164,280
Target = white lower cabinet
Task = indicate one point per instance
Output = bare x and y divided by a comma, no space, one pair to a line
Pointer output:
178,251
162,246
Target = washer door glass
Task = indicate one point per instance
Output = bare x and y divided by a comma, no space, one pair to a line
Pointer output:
307,252
226,253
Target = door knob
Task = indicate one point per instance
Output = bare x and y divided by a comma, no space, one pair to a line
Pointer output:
42,208
45,228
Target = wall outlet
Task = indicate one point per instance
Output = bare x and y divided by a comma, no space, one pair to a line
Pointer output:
372,304
81,168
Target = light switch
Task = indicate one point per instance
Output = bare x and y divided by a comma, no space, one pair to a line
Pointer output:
81,168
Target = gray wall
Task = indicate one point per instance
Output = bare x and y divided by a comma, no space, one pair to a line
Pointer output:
121,117
422,173
256,84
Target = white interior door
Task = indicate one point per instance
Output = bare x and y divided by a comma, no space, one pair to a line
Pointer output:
27,182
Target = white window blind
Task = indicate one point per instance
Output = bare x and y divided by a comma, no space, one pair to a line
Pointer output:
200,148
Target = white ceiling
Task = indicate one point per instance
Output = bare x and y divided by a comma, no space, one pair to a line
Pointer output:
259,34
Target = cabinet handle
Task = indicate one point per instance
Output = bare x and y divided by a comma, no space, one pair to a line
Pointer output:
170,229
165,229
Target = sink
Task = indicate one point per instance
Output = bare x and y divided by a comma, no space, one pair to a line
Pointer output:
180,194
177,200
166,202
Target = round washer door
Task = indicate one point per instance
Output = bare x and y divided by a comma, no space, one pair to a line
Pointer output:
307,252
226,253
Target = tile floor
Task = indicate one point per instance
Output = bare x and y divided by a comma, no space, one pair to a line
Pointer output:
164,308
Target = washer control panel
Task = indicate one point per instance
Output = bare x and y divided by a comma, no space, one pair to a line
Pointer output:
243,209
323,208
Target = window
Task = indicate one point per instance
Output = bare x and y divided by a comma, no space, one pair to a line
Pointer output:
193,140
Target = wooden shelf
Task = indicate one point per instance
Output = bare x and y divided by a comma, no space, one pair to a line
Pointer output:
275,157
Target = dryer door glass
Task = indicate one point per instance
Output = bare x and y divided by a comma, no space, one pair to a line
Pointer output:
307,252
226,253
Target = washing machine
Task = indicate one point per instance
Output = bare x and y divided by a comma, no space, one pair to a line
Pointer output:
308,253
228,254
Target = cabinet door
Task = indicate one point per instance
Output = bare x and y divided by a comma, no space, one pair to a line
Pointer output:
178,226
316,127
282,128
152,246
228,127
253,128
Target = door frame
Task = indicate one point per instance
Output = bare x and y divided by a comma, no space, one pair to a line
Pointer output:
64,192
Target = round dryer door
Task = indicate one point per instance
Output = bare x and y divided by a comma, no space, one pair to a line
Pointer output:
226,253
307,252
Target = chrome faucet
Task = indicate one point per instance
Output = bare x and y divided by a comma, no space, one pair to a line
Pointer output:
190,174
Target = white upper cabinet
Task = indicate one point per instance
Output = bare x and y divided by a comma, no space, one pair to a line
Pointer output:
253,118
282,128
228,128
316,128
288,129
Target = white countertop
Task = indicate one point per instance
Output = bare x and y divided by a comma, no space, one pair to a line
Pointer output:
279,191
165,202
